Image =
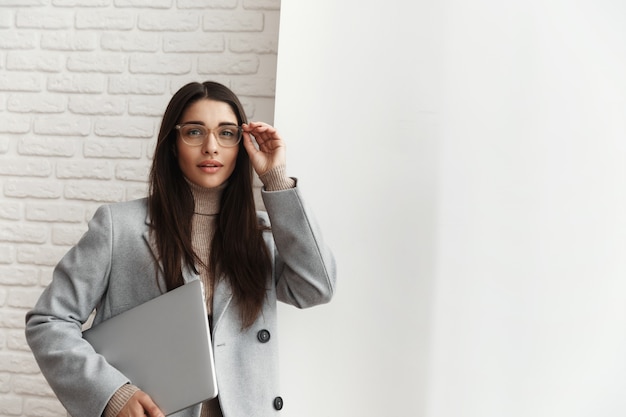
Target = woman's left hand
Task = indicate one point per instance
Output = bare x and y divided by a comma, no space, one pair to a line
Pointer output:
271,150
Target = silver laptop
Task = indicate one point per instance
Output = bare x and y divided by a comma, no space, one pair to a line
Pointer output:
164,347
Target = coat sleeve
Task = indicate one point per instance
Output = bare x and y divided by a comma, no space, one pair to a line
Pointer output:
82,380
305,269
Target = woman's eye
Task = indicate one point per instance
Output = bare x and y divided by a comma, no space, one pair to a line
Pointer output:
227,133
194,132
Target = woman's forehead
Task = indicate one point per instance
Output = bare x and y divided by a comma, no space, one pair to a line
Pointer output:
209,112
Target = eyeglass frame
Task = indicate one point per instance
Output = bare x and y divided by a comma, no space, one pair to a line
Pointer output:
209,131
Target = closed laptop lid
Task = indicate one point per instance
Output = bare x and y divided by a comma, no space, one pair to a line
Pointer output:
164,347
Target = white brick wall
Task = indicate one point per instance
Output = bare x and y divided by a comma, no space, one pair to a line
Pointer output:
83,84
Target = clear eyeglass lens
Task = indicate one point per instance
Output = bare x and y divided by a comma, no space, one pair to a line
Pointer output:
226,135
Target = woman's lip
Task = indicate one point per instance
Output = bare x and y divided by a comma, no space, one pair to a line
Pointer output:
210,167
212,163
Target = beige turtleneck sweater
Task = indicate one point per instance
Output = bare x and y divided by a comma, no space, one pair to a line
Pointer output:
207,207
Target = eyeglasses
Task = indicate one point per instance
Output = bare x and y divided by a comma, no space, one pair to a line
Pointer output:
194,135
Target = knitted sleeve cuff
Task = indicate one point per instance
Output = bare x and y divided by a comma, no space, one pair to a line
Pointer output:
276,179
119,400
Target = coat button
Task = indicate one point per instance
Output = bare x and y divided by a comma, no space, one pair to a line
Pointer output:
263,336
278,403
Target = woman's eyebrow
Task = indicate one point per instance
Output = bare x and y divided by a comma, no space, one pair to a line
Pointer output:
198,122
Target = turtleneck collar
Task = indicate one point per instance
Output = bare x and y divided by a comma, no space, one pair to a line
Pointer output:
207,200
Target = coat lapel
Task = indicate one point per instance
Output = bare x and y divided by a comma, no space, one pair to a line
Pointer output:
222,294
147,236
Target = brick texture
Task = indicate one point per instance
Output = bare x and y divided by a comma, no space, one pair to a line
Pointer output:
83,84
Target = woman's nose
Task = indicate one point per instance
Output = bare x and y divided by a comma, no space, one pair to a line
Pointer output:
210,144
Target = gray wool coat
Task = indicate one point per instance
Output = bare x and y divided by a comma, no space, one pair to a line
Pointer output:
112,269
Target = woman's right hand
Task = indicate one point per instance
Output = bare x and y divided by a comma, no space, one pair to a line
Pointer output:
140,405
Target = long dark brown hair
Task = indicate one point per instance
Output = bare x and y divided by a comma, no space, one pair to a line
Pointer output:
238,253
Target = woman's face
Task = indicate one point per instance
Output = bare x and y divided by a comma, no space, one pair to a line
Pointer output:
209,164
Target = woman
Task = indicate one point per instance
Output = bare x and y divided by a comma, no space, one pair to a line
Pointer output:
198,222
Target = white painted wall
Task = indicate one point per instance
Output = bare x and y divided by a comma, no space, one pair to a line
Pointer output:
357,100
467,162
